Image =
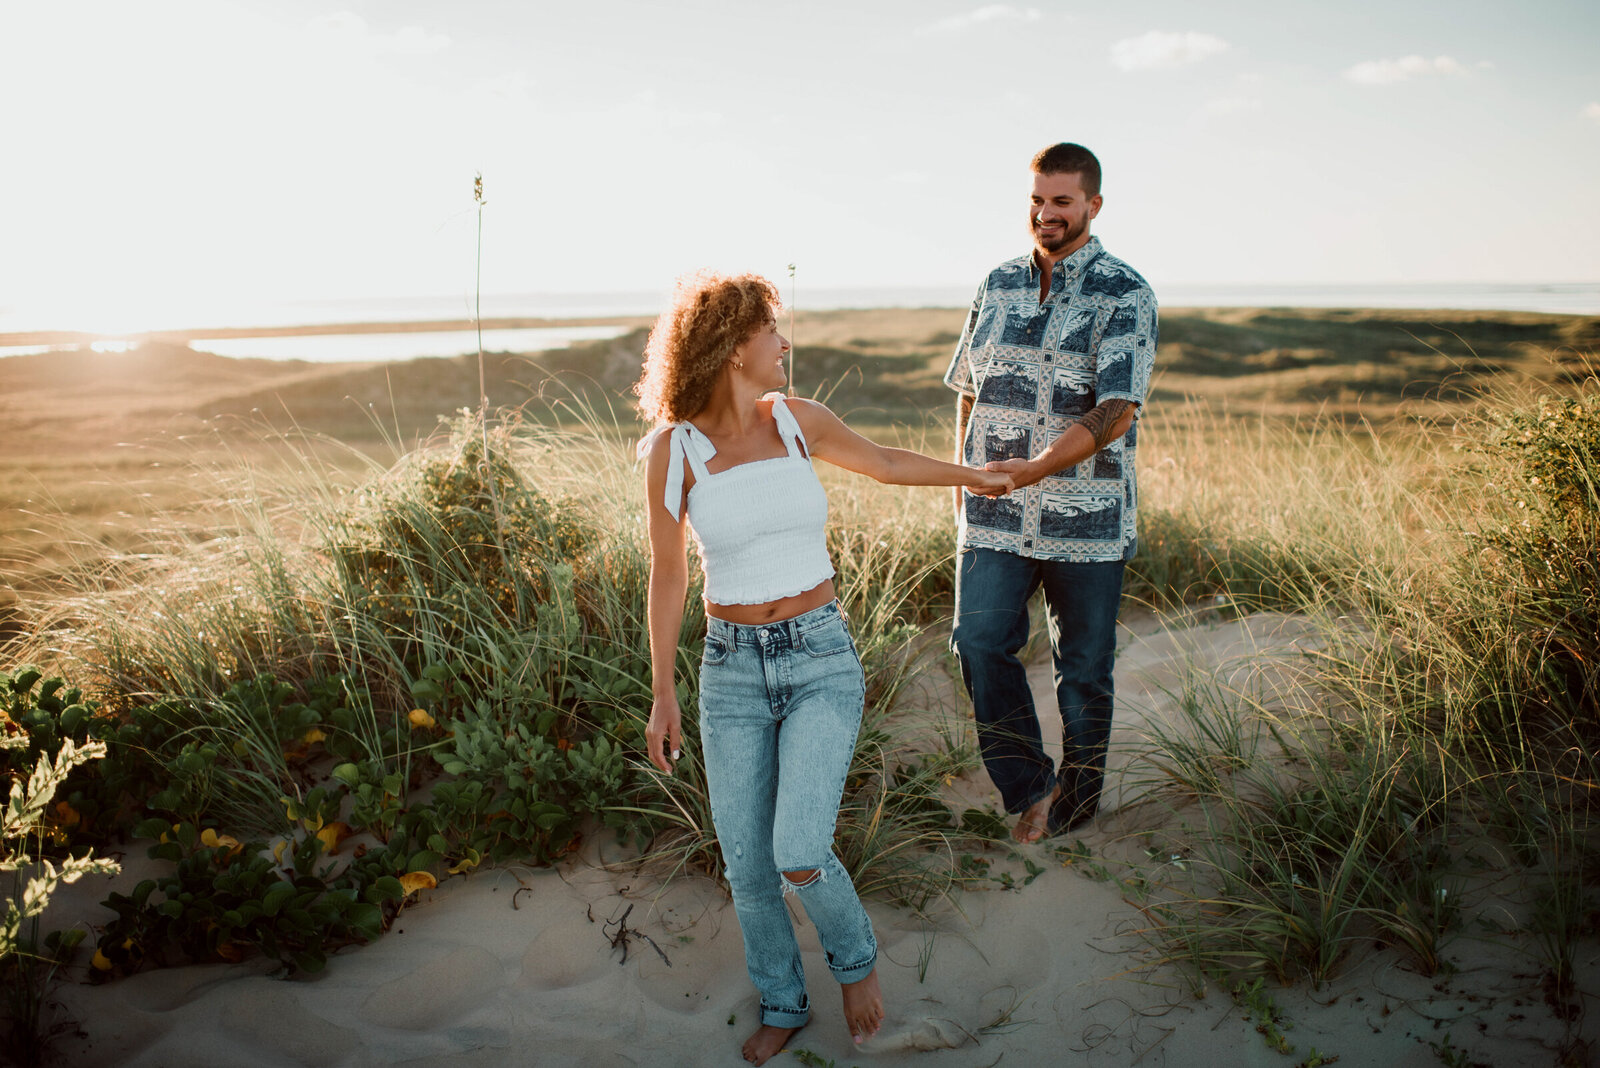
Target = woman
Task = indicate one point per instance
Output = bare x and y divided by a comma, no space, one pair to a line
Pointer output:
781,688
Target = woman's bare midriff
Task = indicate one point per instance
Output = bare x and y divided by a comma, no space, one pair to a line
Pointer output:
782,608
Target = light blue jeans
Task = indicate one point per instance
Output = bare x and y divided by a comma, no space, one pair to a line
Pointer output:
780,706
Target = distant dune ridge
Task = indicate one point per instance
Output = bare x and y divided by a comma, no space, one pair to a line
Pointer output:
90,435
883,364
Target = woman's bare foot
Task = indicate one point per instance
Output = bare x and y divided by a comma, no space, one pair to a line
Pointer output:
766,1041
1034,823
863,1006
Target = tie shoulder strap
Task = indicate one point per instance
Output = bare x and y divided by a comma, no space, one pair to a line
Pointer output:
794,438
687,443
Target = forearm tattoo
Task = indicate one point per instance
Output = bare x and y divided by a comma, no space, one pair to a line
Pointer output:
1102,417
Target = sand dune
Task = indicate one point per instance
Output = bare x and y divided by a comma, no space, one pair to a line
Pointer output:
517,966
532,967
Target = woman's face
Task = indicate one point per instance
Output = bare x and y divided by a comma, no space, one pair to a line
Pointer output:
762,355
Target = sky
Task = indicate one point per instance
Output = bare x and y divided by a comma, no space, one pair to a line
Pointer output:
166,156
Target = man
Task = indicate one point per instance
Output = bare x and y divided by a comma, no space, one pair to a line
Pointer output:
1050,372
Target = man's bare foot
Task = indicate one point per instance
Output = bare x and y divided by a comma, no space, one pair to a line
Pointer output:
863,1006
766,1041
1034,823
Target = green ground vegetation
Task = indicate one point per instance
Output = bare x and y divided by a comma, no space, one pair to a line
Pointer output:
328,672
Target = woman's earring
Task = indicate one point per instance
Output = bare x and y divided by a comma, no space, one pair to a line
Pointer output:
738,365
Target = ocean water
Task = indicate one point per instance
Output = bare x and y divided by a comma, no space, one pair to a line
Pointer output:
1562,298
1574,298
325,348
1581,298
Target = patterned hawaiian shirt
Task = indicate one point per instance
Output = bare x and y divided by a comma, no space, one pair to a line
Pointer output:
1034,369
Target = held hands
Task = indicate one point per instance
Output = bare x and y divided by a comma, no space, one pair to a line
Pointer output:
990,482
662,738
1022,472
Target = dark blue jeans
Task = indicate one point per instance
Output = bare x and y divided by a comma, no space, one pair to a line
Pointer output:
992,593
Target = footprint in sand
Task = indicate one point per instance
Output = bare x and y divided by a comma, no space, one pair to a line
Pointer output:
438,993
919,1036
281,1022
564,955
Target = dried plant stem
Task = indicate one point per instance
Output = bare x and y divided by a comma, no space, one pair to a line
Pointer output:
792,348
477,322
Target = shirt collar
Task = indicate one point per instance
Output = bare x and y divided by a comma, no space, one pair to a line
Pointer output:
1072,264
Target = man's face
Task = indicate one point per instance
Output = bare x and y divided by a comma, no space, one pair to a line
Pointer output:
1059,214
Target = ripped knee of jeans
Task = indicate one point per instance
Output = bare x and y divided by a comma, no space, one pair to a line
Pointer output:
799,880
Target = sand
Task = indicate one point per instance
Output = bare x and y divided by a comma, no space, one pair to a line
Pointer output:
517,966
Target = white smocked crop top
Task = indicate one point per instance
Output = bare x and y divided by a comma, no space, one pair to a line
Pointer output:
760,526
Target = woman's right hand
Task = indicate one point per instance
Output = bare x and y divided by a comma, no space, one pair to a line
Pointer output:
662,736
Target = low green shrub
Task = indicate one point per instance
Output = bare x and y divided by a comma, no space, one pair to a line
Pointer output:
223,900
1540,579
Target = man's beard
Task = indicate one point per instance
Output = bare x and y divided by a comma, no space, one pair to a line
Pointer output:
1056,244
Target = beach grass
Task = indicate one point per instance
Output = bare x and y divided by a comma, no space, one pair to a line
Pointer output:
1430,773
435,646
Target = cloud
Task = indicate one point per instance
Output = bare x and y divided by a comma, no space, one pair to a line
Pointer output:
648,104
340,22
1389,71
414,41
1591,111
989,13
1158,49
346,27
1231,105
515,86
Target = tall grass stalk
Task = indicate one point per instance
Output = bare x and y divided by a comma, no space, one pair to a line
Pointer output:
494,581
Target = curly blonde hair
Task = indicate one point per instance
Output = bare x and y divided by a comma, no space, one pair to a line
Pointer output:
711,315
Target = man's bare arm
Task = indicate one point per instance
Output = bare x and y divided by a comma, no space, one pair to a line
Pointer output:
1105,423
1103,419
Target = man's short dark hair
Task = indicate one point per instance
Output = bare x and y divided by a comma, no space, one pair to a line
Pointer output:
1068,158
